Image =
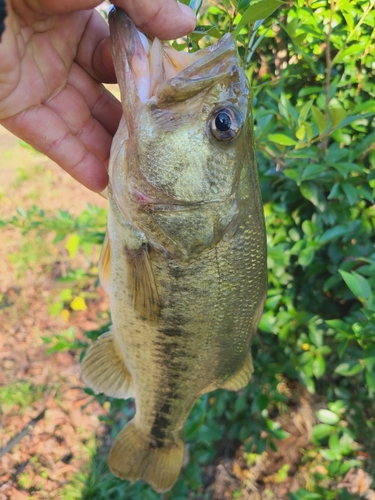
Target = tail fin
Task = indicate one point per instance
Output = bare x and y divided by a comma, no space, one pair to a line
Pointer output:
132,457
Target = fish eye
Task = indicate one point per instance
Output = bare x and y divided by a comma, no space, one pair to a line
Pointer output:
225,124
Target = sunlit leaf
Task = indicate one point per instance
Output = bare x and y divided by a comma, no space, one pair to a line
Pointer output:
357,284
282,139
327,417
348,369
319,119
321,431
256,12
72,245
337,115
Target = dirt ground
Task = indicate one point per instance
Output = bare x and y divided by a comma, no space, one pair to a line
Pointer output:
46,436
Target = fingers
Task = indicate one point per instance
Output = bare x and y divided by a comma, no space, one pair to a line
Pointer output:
165,19
45,130
94,50
72,109
103,105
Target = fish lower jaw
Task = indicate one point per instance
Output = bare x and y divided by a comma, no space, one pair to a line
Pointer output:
148,204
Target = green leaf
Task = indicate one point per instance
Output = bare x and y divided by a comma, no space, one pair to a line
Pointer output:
357,48
353,118
301,132
313,171
308,227
357,284
370,380
348,369
66,294
56,308
319,366
321,431
319,119
303,494
311,192
256,12
337,115
72,245
282,139
292,173
302,115
350,192
332,234
330,455
346,168
338,406
306,256
327,417
242,4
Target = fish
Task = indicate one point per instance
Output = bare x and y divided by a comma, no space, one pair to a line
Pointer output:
184,257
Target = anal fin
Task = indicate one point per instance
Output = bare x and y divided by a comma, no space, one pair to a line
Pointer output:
104,370
241,378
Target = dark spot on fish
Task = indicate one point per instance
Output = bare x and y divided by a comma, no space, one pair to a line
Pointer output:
167,349
177,272
162,420
172,332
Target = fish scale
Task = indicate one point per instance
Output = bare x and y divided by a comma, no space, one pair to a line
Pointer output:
184,259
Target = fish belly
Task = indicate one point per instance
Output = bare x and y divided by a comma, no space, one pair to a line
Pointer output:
209,311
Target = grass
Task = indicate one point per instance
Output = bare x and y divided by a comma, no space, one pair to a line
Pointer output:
19,396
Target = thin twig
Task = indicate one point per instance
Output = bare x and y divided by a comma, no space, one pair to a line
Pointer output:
24,432
368,151
278,161
328,69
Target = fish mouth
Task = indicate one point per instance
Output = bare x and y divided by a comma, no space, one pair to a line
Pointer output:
158,72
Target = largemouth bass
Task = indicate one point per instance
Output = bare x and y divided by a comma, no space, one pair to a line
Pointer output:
184,259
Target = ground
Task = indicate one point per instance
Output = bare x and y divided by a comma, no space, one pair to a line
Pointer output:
48,424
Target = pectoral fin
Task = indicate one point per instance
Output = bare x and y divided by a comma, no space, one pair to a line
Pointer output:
104,370
141,282
105,264
241,377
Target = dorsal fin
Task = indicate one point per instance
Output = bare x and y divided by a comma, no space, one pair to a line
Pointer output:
104,265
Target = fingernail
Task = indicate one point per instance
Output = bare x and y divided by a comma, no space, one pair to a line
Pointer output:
188,12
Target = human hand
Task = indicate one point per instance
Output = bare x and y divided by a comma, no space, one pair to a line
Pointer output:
53,57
